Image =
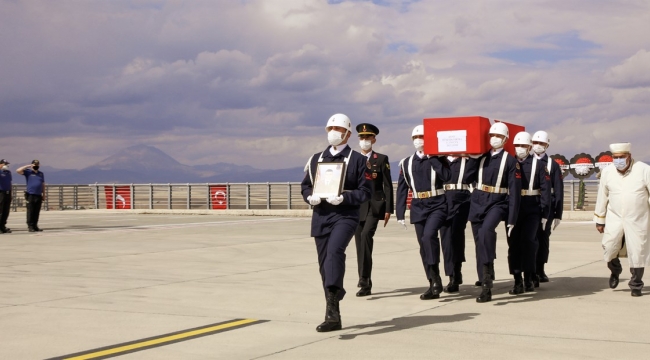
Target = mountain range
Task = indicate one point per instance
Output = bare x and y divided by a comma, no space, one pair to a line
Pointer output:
143,164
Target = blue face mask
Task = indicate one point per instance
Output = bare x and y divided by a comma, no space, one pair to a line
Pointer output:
620,164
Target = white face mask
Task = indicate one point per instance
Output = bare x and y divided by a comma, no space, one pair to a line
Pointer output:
5,167
419,144
496,142
365,145
522,153
334,137
539,149
620,164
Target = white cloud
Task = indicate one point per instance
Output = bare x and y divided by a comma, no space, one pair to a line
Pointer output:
633,72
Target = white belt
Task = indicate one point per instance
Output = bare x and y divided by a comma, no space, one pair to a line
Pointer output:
530,192
492,189
428,194
456,187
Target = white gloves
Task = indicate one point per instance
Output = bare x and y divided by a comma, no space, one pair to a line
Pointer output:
556,223
510,229
313,200
544,223
402,222
334,200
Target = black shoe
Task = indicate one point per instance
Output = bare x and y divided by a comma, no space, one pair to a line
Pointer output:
458,275
529,286
536,280
364,282
517,289
37,228
31,229
428,295
613,281
542,277
636,293
5,230
332,313
436,281
478,283
486,295
365,291
452,287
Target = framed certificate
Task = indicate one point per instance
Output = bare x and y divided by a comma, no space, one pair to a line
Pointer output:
329,179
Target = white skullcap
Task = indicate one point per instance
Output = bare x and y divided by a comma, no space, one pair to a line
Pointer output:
620,148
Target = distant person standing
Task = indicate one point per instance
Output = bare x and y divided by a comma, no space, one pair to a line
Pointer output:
34,193
5,195
379,207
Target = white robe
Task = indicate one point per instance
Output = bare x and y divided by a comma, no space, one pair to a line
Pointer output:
623,206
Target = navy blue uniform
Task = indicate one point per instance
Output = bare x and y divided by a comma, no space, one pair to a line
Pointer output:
34,195
534,206
333,226
5,197
487,208
427,214
372,211
557,206
458,198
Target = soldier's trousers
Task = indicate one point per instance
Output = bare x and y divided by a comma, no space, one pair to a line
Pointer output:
485,237
331,254
453,239
364,239
34,203
522,242
5,207
543,239
427,234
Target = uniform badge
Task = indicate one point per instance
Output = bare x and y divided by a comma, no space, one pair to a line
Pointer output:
368,164
374,155
374,175
517,165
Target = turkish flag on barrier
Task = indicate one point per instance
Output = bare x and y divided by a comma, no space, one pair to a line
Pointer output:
122,197
219,196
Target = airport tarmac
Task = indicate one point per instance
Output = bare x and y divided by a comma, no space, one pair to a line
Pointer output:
97,284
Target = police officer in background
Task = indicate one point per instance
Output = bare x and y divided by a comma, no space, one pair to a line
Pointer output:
424,176
457,191
5,195
34,193
533,213
335,219
540,144
380,205
498,175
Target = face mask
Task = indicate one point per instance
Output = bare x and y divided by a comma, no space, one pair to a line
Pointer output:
5,167
522,153
620,164
419,144
365,144
539,149
35,167
334,137
496,142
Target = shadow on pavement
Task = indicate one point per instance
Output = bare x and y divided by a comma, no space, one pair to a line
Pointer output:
397,293
405,323
557,288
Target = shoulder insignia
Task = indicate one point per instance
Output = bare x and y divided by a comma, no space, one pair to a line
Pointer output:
374,155
388,166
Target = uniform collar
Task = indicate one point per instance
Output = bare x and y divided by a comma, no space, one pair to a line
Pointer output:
495,152
420,154
369,154
339,149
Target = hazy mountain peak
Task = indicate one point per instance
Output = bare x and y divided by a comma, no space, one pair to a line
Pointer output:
138,158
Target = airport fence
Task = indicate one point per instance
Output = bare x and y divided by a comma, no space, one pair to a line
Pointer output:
223,196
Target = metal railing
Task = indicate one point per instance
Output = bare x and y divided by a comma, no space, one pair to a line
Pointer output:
202,196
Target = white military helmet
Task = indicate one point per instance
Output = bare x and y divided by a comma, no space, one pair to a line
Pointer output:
499,129
541,136
418,130
522,138
340,120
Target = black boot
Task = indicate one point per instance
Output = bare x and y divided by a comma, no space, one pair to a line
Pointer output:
5,230
332,313
541,275
486,294
519,285
528,282
452,287
458,275
436,284
366,285
31,229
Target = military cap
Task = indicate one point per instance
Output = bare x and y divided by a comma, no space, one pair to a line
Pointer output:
367,129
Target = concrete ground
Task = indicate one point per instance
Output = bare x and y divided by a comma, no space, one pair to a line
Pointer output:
93,279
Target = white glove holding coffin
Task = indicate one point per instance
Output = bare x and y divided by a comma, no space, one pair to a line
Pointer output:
335,200
313,200
510,229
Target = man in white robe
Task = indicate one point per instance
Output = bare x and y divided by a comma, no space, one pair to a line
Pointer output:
623,212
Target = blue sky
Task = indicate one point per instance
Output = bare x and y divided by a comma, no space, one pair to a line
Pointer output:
253,82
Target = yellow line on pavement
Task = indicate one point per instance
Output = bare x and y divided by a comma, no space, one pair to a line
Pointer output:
161,340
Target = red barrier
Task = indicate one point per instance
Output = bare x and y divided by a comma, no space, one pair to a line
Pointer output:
219,196
122,197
